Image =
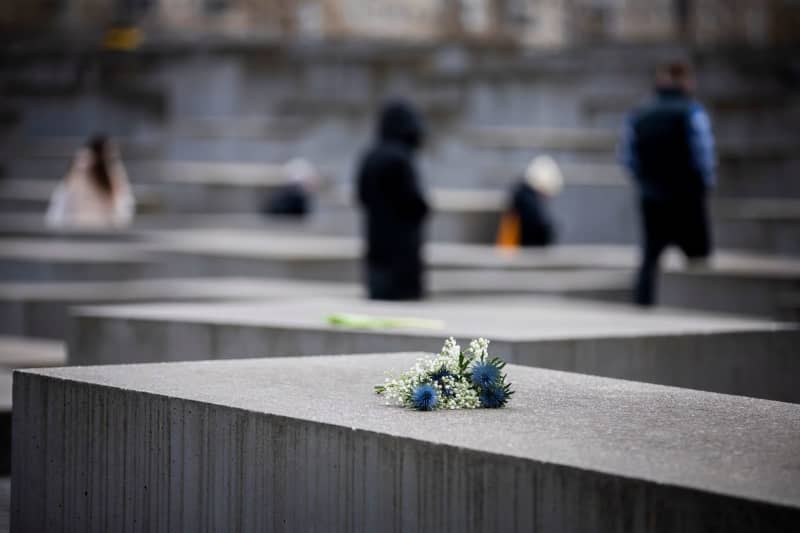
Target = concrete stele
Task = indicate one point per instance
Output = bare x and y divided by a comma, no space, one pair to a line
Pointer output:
707,352
299,444
41,309
40,260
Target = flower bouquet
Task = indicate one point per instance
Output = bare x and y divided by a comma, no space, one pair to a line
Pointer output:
451,380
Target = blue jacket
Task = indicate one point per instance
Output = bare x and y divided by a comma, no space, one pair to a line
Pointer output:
668,146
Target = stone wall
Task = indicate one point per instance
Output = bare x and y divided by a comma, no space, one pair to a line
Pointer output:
527,22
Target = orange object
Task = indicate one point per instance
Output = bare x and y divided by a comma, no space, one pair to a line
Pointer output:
122,38
508,233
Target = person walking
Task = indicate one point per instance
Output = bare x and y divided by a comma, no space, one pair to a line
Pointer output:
668,147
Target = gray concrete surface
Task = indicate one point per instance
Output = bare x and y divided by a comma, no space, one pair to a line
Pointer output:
266,254
470,215
591,284
442,255
287,254
715,353
305,445
203,187
766,224
33,196
764,294
25,352
37,260
20,352
17,352
26,226
737,282
41,309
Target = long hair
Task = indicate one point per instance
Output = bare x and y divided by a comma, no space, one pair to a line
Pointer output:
99,169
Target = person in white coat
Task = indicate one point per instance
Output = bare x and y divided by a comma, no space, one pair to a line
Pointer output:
95,193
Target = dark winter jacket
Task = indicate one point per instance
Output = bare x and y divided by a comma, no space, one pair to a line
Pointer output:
669,148
394,207
536,229
289,200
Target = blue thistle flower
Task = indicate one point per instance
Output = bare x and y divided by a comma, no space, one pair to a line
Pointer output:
440,373
485,374
493,397
424,397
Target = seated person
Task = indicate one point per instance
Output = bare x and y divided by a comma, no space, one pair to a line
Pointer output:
527,222
294,198
95,192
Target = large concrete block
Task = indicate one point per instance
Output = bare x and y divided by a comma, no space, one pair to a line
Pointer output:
590,284
33,196
758,285
43,168
41,309
41,260
204,187
303,444
30,225
462,214
17,352
296,255
299,256
720,354
265,254
770,225
15,225
768,236
734,282
760,294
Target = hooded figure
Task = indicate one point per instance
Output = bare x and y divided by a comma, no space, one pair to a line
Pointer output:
394,207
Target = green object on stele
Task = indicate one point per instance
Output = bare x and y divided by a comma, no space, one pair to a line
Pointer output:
349,320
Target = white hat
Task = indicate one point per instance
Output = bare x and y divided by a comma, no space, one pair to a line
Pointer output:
544,176
299,170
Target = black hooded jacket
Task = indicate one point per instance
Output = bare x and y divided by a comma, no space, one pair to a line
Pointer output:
536,228
394,206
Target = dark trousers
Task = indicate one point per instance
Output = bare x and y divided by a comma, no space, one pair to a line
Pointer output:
395,283
679,221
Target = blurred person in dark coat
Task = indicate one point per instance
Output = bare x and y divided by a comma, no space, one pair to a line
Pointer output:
668,147
296,197
394,206
528,207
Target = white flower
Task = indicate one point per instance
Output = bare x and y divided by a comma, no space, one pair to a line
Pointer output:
443,371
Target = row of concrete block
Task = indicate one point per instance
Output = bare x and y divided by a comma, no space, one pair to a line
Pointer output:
736,282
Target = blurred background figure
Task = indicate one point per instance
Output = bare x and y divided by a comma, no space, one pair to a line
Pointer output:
394,206
527,221
682,11
668,147
95,192
297,197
